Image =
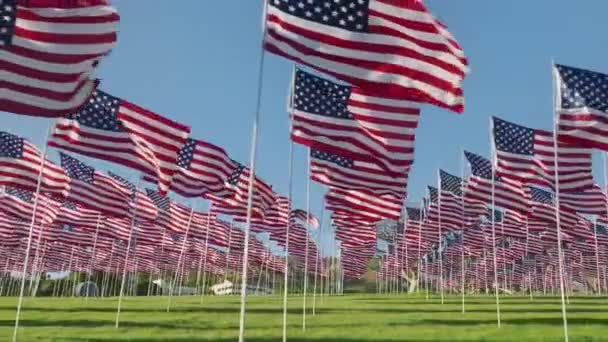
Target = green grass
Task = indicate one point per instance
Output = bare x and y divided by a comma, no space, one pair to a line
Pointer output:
338,319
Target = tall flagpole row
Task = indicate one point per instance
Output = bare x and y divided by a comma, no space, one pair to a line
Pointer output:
30,233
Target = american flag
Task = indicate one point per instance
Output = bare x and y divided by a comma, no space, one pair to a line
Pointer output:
202,168
543,208
582,107
78,216
275,219
340,119
303,216
141,205
172,216
48,51
342,172
364,204
233,199
592,201
115,130
508,194
20,204
93,189
528,155
393,47
20,164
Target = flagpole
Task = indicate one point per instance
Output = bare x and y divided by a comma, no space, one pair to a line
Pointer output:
180,260
317,260
597,258
462,189
204,288
439,241
30,233
307,225
252,162
93,251
493,217
124,273
556,94
605,162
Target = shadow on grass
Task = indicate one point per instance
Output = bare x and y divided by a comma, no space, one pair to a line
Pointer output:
253,339
512,321
235,309
320,311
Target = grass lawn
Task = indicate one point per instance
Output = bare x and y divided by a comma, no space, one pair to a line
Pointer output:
339,319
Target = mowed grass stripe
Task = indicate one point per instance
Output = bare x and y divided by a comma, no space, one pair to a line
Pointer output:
350,318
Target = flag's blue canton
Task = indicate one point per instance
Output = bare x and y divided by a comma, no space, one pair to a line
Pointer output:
76,169
236,173
480,166
602,230
162,202
8,18
11,146
414,214
450,183
69,205
132,188
583,89
100,112
184,158
541,196
66,227
512,138
315,95
498,215
433,194
350,15
24,195
332,158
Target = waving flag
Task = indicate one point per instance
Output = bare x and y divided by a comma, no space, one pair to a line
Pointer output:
20,204
303,216
508,194
582,107
141,205
393,47
528,155
48,50
20,163
364,204
115,130
202,168
350,122
337,171
543,208
93,189
233,199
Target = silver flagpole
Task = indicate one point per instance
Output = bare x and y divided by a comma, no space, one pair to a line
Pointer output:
439,235
228,252
254,144
124,272
180,260
494,224
290,194
30,233
605,162
462,268
206,252
317,260
93,252
307,244
597,258
556,95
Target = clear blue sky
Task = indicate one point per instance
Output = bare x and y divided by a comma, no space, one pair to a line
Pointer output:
196,62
